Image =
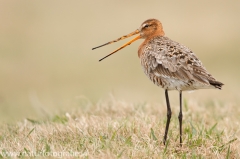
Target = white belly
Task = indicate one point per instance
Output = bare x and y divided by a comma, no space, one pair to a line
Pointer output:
169,83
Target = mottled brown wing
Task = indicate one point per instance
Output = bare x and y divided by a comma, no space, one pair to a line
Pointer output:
173,60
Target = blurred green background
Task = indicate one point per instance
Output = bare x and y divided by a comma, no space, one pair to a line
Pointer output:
47,65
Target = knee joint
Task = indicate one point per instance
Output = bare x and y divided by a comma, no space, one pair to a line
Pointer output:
180,116
169,114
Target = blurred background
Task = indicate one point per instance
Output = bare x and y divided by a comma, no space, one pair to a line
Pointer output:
47,65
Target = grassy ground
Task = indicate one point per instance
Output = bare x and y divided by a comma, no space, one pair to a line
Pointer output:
46,63
116,129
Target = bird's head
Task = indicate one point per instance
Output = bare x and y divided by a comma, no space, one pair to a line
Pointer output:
148,29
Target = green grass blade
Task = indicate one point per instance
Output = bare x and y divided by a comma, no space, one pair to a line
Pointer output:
228,152
33,121
153,135
30,132
212,128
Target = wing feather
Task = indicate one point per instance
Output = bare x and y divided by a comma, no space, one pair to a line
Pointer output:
173,60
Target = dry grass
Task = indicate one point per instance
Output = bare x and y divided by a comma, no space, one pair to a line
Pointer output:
46,61
116,129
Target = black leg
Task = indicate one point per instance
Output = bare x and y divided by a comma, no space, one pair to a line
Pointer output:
180,117
169,113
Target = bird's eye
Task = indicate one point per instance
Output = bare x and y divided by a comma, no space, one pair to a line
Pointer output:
146,26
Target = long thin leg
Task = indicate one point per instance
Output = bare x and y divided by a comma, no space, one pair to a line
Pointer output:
180,117
169,114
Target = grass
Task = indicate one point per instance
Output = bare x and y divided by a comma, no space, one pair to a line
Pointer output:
116,129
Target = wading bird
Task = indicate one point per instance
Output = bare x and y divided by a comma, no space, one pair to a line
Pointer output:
168,64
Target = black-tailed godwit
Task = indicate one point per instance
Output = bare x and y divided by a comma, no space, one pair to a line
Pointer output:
168,64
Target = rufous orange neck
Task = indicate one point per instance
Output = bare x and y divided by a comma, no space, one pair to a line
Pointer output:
159,32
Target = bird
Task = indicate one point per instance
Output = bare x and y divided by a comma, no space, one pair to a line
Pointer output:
169,65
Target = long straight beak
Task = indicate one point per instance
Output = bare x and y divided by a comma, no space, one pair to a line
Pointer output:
121,38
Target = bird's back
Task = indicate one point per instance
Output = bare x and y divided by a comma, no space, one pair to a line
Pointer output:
174,66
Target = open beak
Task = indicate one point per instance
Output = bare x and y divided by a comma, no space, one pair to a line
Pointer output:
121,38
